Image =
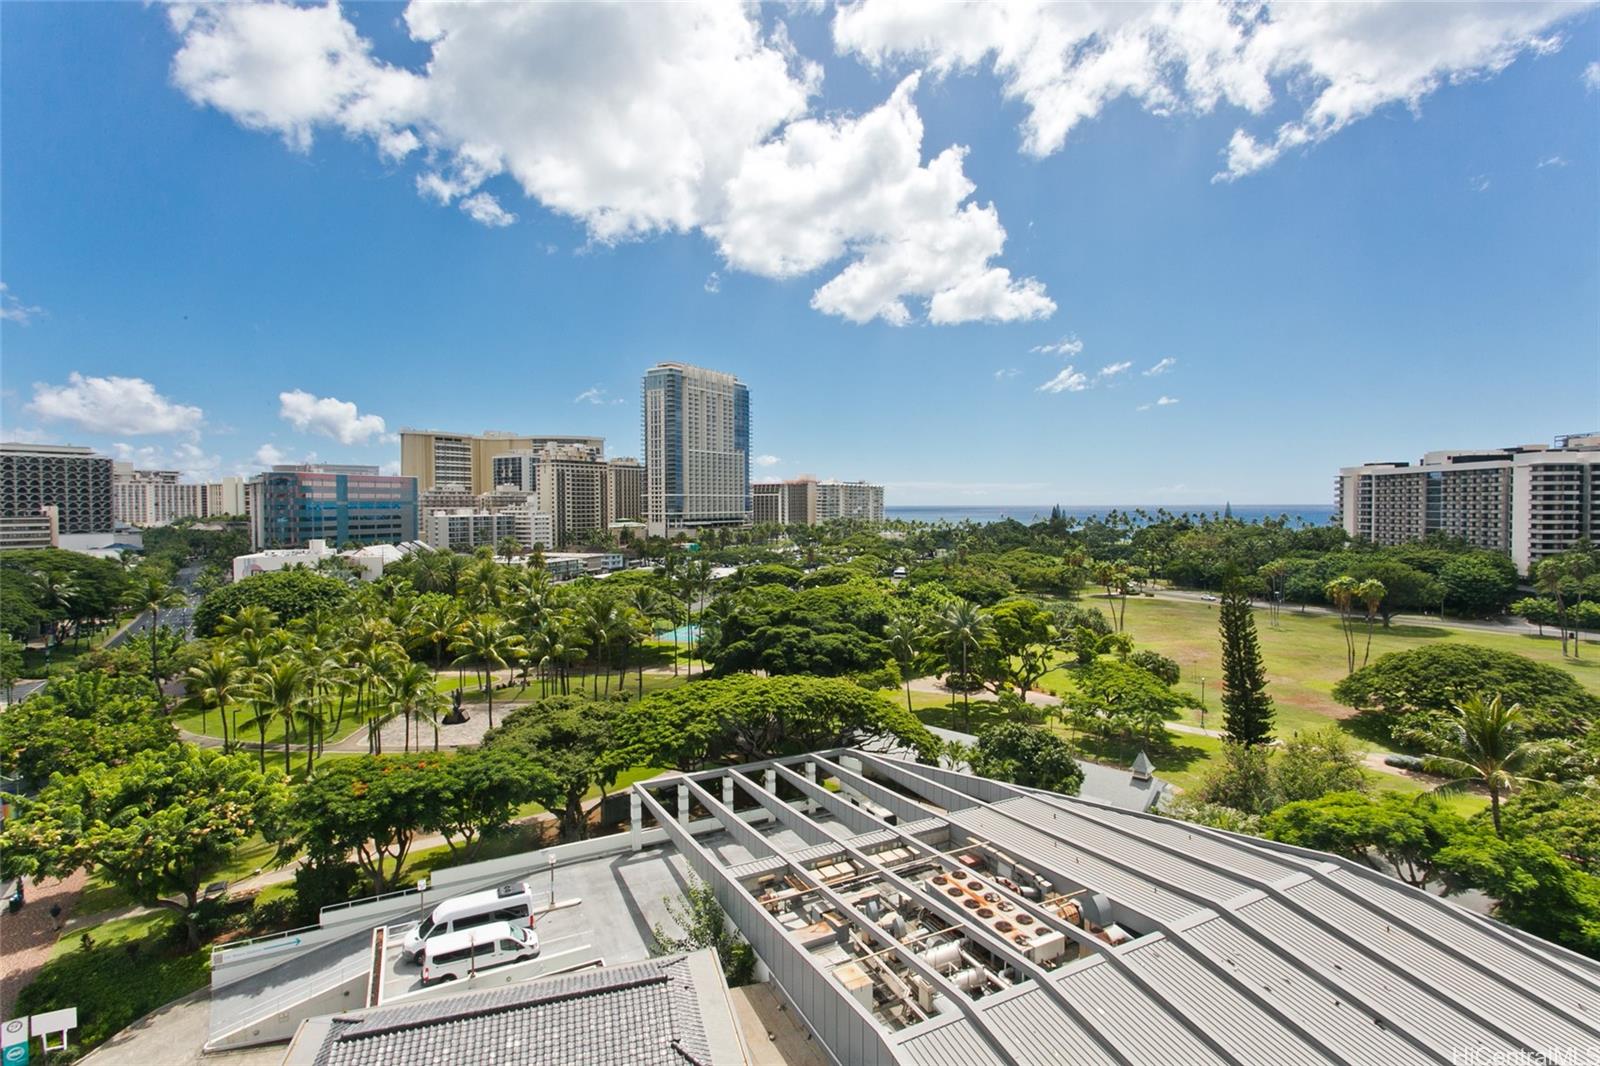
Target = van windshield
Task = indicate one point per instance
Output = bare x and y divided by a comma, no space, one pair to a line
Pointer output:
426,927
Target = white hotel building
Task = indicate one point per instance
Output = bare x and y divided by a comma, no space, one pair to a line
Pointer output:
1530,501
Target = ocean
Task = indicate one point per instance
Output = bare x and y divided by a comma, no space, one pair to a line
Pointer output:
1315,514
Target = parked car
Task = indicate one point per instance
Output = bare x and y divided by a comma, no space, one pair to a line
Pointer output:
511,903
450,956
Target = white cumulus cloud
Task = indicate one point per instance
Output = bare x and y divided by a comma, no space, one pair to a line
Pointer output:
14,310
634,120
270,455
1068,380
1161,367
113,405
188,458
596,395
1111,370
1591,76
1166,401
328,416
483,207
1067,62
766,460
1067,346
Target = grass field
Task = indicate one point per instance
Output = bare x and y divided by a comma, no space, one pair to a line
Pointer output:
1304,655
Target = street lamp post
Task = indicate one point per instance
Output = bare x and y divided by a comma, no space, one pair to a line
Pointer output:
1202,703
552,863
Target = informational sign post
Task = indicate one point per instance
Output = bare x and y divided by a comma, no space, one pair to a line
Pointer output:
14,1042
54,1024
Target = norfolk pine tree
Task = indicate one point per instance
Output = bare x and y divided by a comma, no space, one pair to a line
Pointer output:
1247,709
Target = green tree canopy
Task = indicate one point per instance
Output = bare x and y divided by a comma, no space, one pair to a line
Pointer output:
479,792
80,721
1028,756
157,827
568,745
744,719
1246,708
1397,833
288,594
1406,691
371,805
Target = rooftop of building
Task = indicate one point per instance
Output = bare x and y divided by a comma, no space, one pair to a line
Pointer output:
25,448
668,1011
968,921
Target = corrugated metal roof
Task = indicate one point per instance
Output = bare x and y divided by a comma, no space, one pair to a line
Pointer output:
1244,953
1141,1025
953,1043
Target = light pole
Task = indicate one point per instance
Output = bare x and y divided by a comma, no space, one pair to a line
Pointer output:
551,859
1202,703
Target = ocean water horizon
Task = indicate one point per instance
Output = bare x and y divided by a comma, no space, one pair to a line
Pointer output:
1314,514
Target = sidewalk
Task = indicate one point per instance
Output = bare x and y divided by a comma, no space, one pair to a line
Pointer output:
28,936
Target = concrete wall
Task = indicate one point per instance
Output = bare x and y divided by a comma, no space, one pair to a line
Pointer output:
348,994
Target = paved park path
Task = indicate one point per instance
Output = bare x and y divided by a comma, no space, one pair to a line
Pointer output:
28,936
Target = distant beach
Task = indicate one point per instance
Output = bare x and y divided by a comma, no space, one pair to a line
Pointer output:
1314,514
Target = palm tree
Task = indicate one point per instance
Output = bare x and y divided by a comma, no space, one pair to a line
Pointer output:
253,621
600,622
412,689
211,683
487,640
905,644
1371,593
57,590
1480,743
964,629
436,623
279,693
485,584
632,630
1342,593
546,651
151,592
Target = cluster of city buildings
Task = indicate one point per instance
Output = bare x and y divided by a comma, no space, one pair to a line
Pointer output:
453,491
1530,501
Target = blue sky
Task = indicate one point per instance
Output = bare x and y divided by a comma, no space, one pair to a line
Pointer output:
201,203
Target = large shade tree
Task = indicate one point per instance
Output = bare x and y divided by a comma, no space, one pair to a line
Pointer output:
158,827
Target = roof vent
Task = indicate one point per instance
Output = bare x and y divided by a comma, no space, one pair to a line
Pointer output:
1142,767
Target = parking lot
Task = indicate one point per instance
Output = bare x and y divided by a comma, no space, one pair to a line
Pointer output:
581,928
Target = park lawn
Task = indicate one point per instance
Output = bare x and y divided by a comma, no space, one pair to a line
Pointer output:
132,968
1304,654
212,727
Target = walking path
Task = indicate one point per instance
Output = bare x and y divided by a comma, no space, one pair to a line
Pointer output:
28,936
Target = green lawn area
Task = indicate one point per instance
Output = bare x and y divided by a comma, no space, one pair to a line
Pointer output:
1304,655
131,969
212,726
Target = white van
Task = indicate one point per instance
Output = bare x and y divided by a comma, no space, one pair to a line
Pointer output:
511,903
452,955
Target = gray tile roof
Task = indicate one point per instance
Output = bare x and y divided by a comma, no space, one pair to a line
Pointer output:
629,1015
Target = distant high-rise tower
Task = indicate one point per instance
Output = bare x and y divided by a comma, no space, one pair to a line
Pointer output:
696,448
